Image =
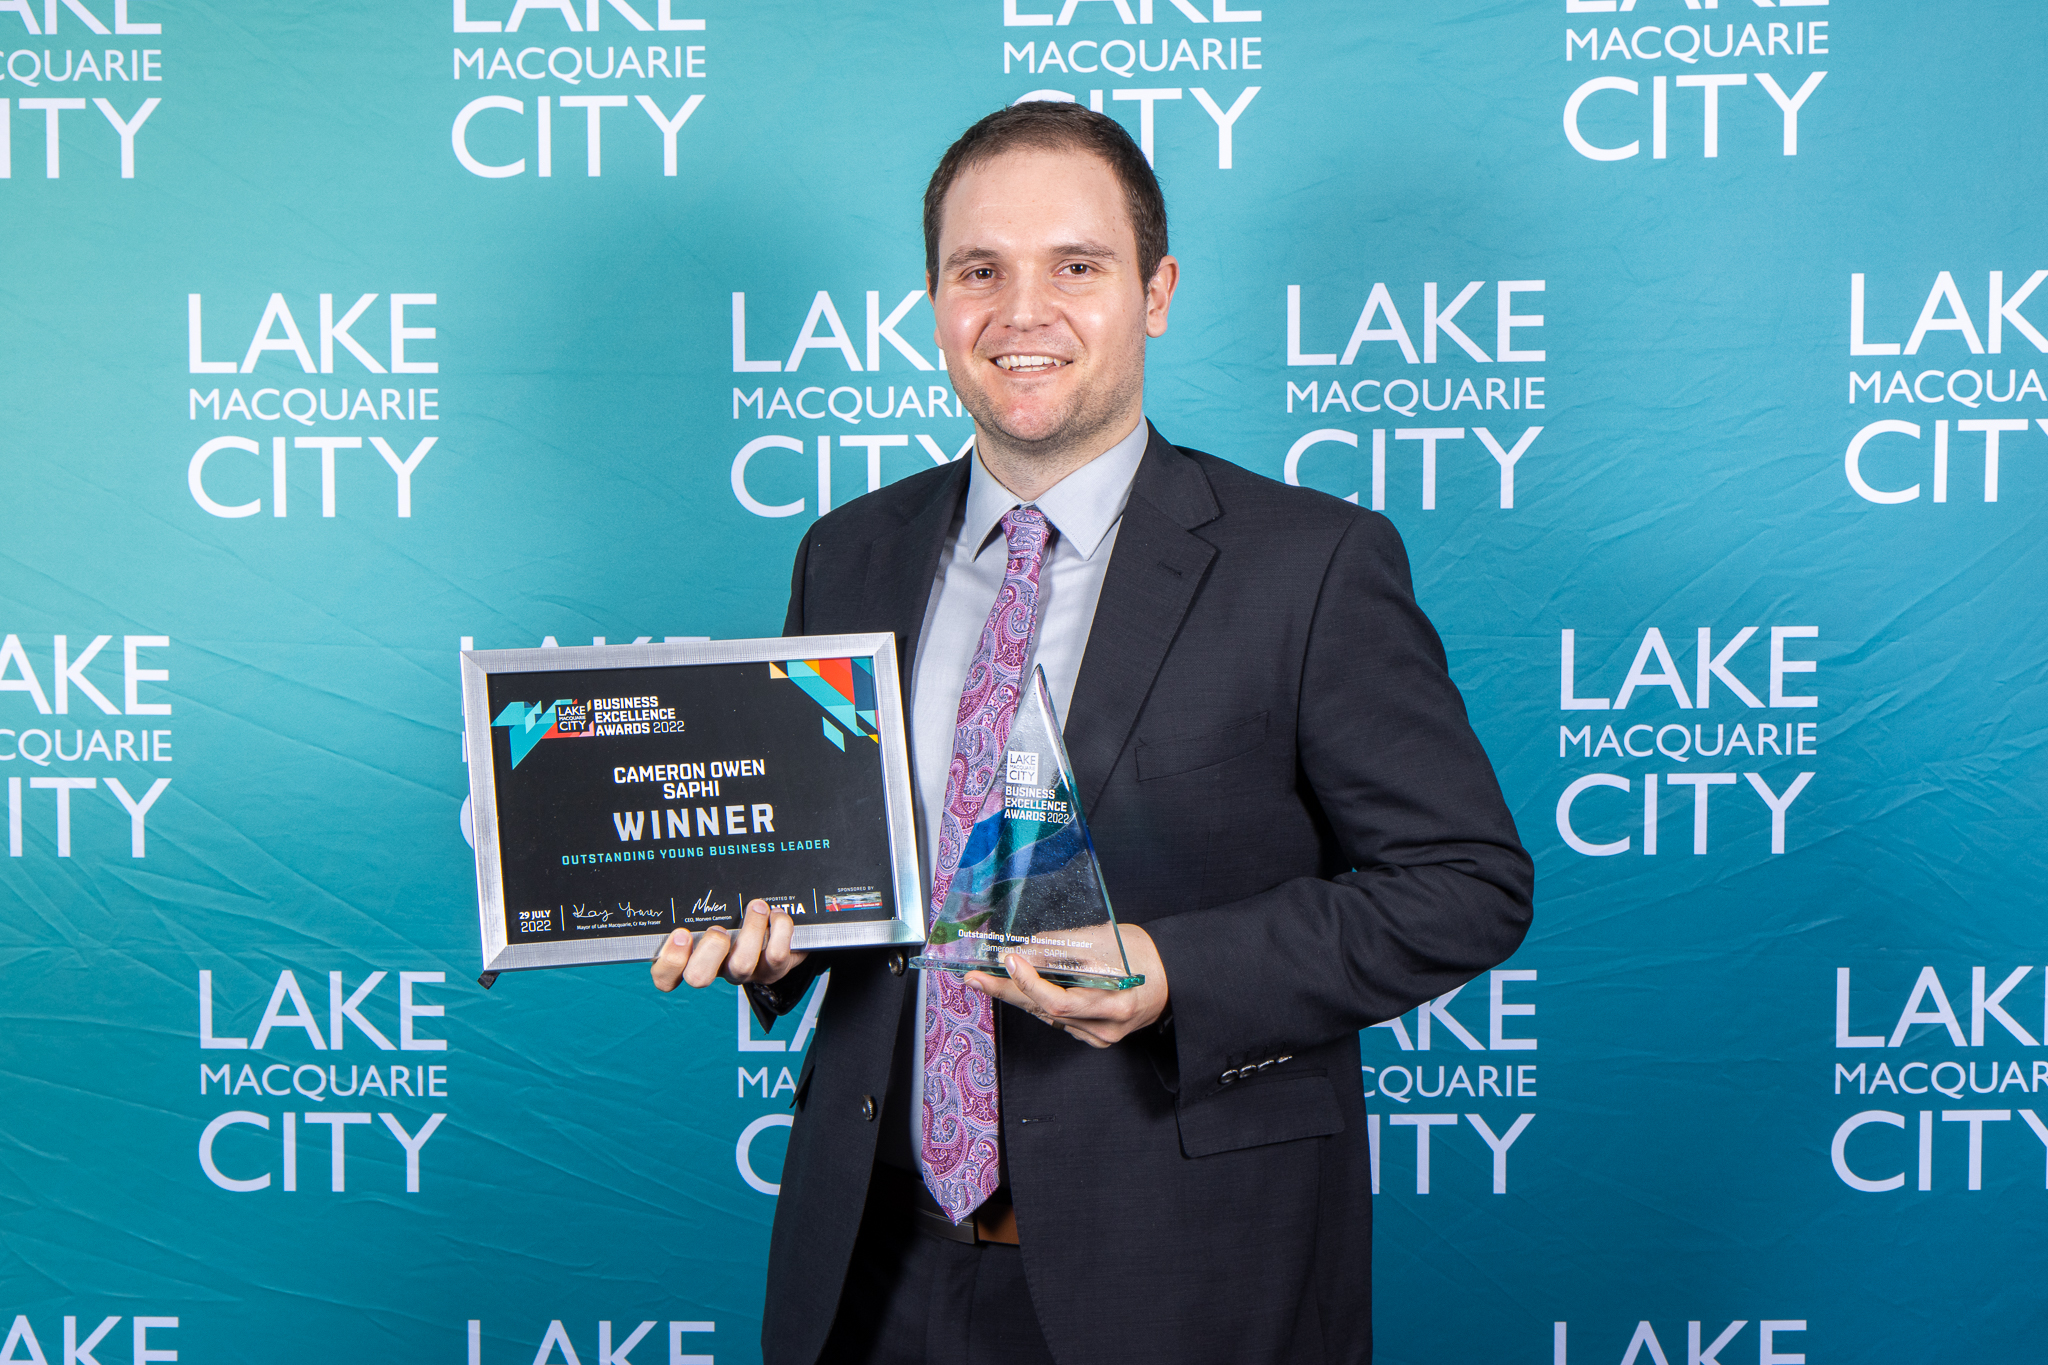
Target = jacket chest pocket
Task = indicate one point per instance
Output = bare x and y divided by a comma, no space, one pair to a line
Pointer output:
1170,757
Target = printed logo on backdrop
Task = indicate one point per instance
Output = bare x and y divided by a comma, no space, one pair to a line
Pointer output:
250,467
625,66
293,1056
556,1344
1704,1342
112,771
1483,1101
1955,1092
1726,742
149,1340
1685,89
845,401
1388,386
1942,370
1138,53
94,76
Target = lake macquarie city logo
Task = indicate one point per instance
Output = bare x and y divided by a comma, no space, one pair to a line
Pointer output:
528,723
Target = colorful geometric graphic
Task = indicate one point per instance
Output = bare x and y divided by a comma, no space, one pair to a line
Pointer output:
844,687
528,725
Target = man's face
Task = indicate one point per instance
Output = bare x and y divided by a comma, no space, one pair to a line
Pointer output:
1042,313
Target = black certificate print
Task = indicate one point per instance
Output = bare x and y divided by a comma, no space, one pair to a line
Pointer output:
638,800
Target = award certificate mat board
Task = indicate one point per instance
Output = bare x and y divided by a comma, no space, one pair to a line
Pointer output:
620,792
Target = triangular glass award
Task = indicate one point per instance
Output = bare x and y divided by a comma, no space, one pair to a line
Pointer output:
1028,882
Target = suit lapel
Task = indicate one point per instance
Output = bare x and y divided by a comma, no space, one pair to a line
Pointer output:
902,564
1154,573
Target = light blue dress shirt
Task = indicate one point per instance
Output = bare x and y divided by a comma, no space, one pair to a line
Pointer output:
1085,509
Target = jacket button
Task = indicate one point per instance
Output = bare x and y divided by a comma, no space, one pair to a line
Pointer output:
867,1107
896,964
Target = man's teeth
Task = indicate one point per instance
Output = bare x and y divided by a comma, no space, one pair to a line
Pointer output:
1027,363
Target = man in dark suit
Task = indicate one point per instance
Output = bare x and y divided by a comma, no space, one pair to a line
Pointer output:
1300,832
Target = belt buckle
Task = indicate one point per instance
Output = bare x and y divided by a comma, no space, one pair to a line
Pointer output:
969,1232
940,1226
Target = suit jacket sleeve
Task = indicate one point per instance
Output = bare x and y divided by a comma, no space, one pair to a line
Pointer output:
1439,888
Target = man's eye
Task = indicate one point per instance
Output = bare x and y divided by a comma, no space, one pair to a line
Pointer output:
1078,268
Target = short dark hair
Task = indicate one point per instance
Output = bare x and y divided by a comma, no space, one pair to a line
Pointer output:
1046,125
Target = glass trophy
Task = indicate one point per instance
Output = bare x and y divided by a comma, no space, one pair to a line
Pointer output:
1028,883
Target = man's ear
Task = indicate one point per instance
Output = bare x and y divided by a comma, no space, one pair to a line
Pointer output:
1159,295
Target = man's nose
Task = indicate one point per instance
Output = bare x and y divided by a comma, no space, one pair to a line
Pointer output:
1027,304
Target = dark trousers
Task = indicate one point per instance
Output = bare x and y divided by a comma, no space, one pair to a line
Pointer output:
915,1299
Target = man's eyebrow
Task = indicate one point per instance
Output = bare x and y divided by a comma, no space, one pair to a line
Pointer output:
969,255
979,255
1094,250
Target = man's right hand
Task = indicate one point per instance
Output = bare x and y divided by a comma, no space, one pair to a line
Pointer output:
757,952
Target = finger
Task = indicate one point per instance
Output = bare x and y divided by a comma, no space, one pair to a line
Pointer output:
778,957
1045,997
1083,1004
748,942
667,967
1000,989
708,956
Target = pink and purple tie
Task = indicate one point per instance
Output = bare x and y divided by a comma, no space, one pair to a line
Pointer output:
961,1109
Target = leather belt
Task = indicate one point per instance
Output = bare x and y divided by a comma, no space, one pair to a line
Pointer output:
998,1225
992,1222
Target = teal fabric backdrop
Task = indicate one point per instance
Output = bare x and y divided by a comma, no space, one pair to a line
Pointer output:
1695,349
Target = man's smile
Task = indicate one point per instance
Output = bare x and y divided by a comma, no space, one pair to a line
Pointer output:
1029,364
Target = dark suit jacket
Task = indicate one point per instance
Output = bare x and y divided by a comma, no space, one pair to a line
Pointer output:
1285,792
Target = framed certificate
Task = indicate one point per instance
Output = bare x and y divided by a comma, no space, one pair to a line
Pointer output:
621,792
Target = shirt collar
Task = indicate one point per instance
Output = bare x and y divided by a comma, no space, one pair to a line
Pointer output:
1082,507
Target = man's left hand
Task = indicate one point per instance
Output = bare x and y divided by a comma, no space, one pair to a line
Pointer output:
1098,1018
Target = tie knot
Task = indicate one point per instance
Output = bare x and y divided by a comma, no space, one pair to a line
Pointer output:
1026,530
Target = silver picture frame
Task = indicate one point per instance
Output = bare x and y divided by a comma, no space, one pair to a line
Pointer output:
479,666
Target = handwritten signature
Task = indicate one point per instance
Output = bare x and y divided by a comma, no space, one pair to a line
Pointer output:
625,912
